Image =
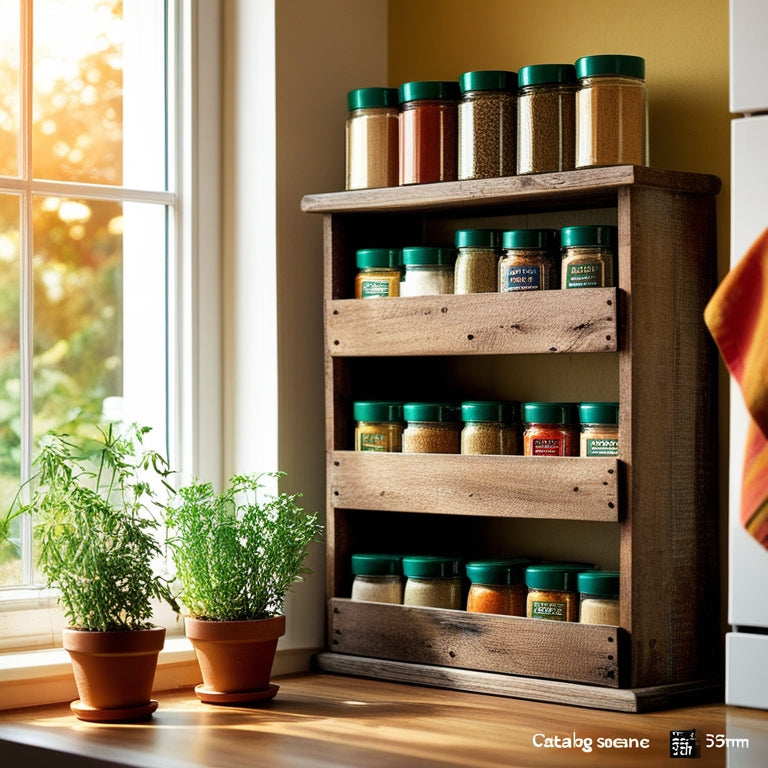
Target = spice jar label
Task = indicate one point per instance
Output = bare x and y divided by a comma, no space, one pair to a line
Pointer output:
373,441
548,610
547,446
589,275
371,289
522,279
602,446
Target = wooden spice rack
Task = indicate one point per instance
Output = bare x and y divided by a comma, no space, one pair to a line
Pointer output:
660,493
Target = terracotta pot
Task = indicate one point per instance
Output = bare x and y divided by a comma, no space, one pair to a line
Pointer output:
114,672
235,658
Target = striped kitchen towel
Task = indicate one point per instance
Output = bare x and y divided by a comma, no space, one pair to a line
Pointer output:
737,318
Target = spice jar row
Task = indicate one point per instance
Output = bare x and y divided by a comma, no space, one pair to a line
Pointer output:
489,260
488,427
511,587
543,118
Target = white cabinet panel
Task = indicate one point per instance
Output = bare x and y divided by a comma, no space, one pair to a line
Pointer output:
749,56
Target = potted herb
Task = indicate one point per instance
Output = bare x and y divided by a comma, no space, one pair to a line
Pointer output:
94,511
237,553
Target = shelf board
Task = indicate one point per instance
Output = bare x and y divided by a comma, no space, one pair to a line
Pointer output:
546,487
583,320
586,653
589,186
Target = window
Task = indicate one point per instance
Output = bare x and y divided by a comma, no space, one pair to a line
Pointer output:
99,173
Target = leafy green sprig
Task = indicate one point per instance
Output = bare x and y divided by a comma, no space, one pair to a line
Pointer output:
238,553
95,519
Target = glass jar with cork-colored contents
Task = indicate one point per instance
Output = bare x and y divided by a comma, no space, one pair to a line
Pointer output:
488,428
432,581
552,591
487,124
546,118
428,134
599,597
427,271
432,428
477,261
372,133
599,429
379,273
379,426
588,256
528,261
497,586
550,429
377,578
611,111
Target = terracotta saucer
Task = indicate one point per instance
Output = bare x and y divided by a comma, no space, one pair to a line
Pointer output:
237,697
122,715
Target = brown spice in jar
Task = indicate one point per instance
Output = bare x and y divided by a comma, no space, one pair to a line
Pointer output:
431,437
476,271
487,135
546,129
487,438
555,605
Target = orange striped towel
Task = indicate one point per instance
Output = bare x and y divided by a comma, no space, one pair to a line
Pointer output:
737,318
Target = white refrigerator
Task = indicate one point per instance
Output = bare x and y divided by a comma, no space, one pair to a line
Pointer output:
746,681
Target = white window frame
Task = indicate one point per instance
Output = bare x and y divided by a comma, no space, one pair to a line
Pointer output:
194,324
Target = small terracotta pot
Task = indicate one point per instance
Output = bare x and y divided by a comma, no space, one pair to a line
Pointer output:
114,672
235,658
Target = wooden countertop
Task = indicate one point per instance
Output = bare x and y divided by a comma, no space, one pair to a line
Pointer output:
331,720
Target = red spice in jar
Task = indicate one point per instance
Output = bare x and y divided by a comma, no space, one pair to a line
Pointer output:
550,429
429,128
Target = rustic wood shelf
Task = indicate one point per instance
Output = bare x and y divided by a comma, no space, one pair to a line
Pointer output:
661,491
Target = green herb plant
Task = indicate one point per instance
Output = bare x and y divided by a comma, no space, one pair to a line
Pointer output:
237,553
96,525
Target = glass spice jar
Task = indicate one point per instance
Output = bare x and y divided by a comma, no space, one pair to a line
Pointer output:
377,578
550,429
432,581
380,271
372,130
487,124
486,429
599,429
546,118
611,111
497,586
588,256
528,260
552,591
428,131
477,261
431,428
599,597
379,426
427,271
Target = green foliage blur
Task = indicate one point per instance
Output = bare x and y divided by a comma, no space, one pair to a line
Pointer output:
76,263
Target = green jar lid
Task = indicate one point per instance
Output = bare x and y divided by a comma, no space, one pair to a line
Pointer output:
546,74
510,571
483,410
602,583
379,257
418,90
446,412
363,98
377,410
547,239
611,64
477,238
428,255
376,565
559,576
488,80
550,413
587,234
431,567
599,413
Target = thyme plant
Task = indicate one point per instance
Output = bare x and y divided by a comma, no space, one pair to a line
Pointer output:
96,527
237,553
